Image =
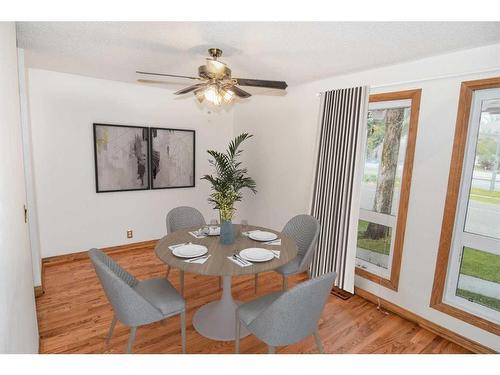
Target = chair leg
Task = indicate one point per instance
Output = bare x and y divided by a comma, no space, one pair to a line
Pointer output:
318,342
285,283
168,271
131,339
183,331
111,329
271,349
237,335
182,282
256,282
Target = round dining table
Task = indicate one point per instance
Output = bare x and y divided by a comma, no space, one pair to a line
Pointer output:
216,320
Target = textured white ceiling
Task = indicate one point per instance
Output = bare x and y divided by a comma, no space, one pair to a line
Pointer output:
296,52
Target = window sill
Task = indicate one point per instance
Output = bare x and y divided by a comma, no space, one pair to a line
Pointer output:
387,283
467,317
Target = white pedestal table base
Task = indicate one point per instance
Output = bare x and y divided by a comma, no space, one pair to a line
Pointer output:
217,320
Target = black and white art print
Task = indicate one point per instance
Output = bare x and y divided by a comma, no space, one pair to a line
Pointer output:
121,157
172,158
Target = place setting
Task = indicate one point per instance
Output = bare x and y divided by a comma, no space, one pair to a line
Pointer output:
247,257
266,238
191,253
206,231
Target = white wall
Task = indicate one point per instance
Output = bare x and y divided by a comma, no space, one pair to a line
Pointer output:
282,160
34,236
18,325
72,217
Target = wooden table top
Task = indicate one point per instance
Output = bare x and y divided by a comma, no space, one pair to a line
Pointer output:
218,264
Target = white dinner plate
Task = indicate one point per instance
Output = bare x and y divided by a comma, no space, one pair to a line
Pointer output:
255,254
190,251
262,236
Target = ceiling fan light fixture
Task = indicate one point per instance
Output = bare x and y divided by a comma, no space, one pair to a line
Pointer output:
212,95
227,95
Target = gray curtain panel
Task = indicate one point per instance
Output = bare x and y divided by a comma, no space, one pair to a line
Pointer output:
337,181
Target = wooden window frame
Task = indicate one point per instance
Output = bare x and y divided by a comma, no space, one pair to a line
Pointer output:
397,255
451,204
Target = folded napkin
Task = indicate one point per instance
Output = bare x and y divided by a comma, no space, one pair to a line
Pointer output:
198,260
276,253
198,234
214,230
241,263
172,247
274,242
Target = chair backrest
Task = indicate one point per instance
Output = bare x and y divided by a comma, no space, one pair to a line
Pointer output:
304,229
295,314
184,217
129,306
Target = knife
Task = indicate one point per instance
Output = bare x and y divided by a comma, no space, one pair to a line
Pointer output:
198,258
271,242
239,260
242,260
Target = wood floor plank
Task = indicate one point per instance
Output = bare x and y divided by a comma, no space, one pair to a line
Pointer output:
74,316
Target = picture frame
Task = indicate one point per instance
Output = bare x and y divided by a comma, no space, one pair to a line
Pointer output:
121,157
173,158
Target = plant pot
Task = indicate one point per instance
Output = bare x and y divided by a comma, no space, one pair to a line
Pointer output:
227,233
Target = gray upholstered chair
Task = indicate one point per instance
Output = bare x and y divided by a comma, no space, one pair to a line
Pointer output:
286,317
304,229
136,303
182,218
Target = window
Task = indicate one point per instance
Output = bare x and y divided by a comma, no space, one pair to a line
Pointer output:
467,280
390,144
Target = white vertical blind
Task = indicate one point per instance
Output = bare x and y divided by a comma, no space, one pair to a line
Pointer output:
336,194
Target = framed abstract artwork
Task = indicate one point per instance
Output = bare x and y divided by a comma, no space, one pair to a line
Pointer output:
172,158
121,154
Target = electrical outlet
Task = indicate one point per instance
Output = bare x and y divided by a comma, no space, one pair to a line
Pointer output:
130,233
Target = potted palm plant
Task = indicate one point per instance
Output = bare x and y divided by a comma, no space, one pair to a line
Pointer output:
229,180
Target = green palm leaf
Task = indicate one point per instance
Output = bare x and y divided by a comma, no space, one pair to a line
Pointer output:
229,178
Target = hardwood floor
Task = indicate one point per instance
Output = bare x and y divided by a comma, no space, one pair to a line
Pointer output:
74,316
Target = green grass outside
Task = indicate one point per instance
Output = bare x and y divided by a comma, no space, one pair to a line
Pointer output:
487,193
485,196
490,302
382,246
481,264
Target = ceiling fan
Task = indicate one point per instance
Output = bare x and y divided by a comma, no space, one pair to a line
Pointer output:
215,82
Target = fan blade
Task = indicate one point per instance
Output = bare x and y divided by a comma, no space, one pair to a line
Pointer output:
189,89
152,81
239,92
166,75
262,83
